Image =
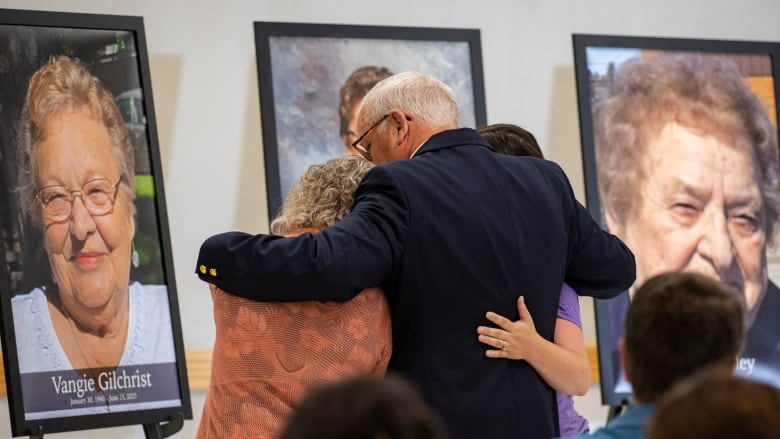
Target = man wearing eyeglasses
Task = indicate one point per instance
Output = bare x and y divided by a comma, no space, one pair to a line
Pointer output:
450,230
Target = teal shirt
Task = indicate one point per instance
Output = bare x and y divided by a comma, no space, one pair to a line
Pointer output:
629,425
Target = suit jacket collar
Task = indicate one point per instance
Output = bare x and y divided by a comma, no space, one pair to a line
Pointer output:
450,138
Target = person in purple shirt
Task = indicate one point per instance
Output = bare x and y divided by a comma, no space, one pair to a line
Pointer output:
563,363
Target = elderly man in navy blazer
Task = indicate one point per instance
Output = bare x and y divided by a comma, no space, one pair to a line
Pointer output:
450,230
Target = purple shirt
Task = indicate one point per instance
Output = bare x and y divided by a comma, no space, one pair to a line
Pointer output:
570,422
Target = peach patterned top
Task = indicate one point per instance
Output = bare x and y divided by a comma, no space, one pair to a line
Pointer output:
266,355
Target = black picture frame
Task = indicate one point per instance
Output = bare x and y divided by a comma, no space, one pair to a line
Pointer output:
113,49
301,67
596,58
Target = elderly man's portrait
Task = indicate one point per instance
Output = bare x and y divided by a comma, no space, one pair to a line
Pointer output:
89,300
686,158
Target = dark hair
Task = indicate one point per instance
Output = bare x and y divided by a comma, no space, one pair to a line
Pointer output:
677,324
509,139
717,405
355,87
364,408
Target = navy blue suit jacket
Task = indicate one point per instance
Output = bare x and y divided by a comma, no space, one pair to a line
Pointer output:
453,232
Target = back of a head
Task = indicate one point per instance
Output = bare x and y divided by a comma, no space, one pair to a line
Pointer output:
323,195
364,408
428,100
677,324
717,405
509,139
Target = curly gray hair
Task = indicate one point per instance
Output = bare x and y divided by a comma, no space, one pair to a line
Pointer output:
323,196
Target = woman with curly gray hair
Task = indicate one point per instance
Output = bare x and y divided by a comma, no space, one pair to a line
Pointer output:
267,355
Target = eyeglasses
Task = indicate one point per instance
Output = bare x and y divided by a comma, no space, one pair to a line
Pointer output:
98,196
365,151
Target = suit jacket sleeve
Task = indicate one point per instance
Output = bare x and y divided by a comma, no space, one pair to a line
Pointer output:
335,264
600,264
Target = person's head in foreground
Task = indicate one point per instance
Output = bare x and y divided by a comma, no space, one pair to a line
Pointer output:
687,162
677,324
400,113
364,408
717,405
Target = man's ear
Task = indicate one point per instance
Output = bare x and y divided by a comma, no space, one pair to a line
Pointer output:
399,119
400,123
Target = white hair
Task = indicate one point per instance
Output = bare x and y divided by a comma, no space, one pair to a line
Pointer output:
421,96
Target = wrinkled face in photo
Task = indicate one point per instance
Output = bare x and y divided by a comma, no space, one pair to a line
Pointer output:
89,254
699,208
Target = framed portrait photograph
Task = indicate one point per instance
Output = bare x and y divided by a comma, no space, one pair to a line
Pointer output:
680,150
312,78
91,330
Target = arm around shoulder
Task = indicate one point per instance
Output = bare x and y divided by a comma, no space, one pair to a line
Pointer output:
258,267
335,264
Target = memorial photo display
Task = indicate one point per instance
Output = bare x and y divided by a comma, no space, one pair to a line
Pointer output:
312,78
91,330
680,149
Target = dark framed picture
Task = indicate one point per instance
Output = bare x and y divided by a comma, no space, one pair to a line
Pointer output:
680,149
312,78
91,331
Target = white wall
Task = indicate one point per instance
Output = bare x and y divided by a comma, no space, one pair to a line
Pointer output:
204,81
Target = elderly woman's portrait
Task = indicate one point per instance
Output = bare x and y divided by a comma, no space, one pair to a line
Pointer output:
686,153
93,327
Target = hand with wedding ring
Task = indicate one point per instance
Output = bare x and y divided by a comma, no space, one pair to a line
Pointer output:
511,339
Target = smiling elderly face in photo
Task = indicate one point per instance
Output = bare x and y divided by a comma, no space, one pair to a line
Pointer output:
77,188
687,169
89,249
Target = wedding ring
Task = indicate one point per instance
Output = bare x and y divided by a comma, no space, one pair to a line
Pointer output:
503,345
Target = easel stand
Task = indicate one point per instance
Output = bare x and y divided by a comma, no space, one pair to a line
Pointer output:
39,434
158,431
153,430
615,410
